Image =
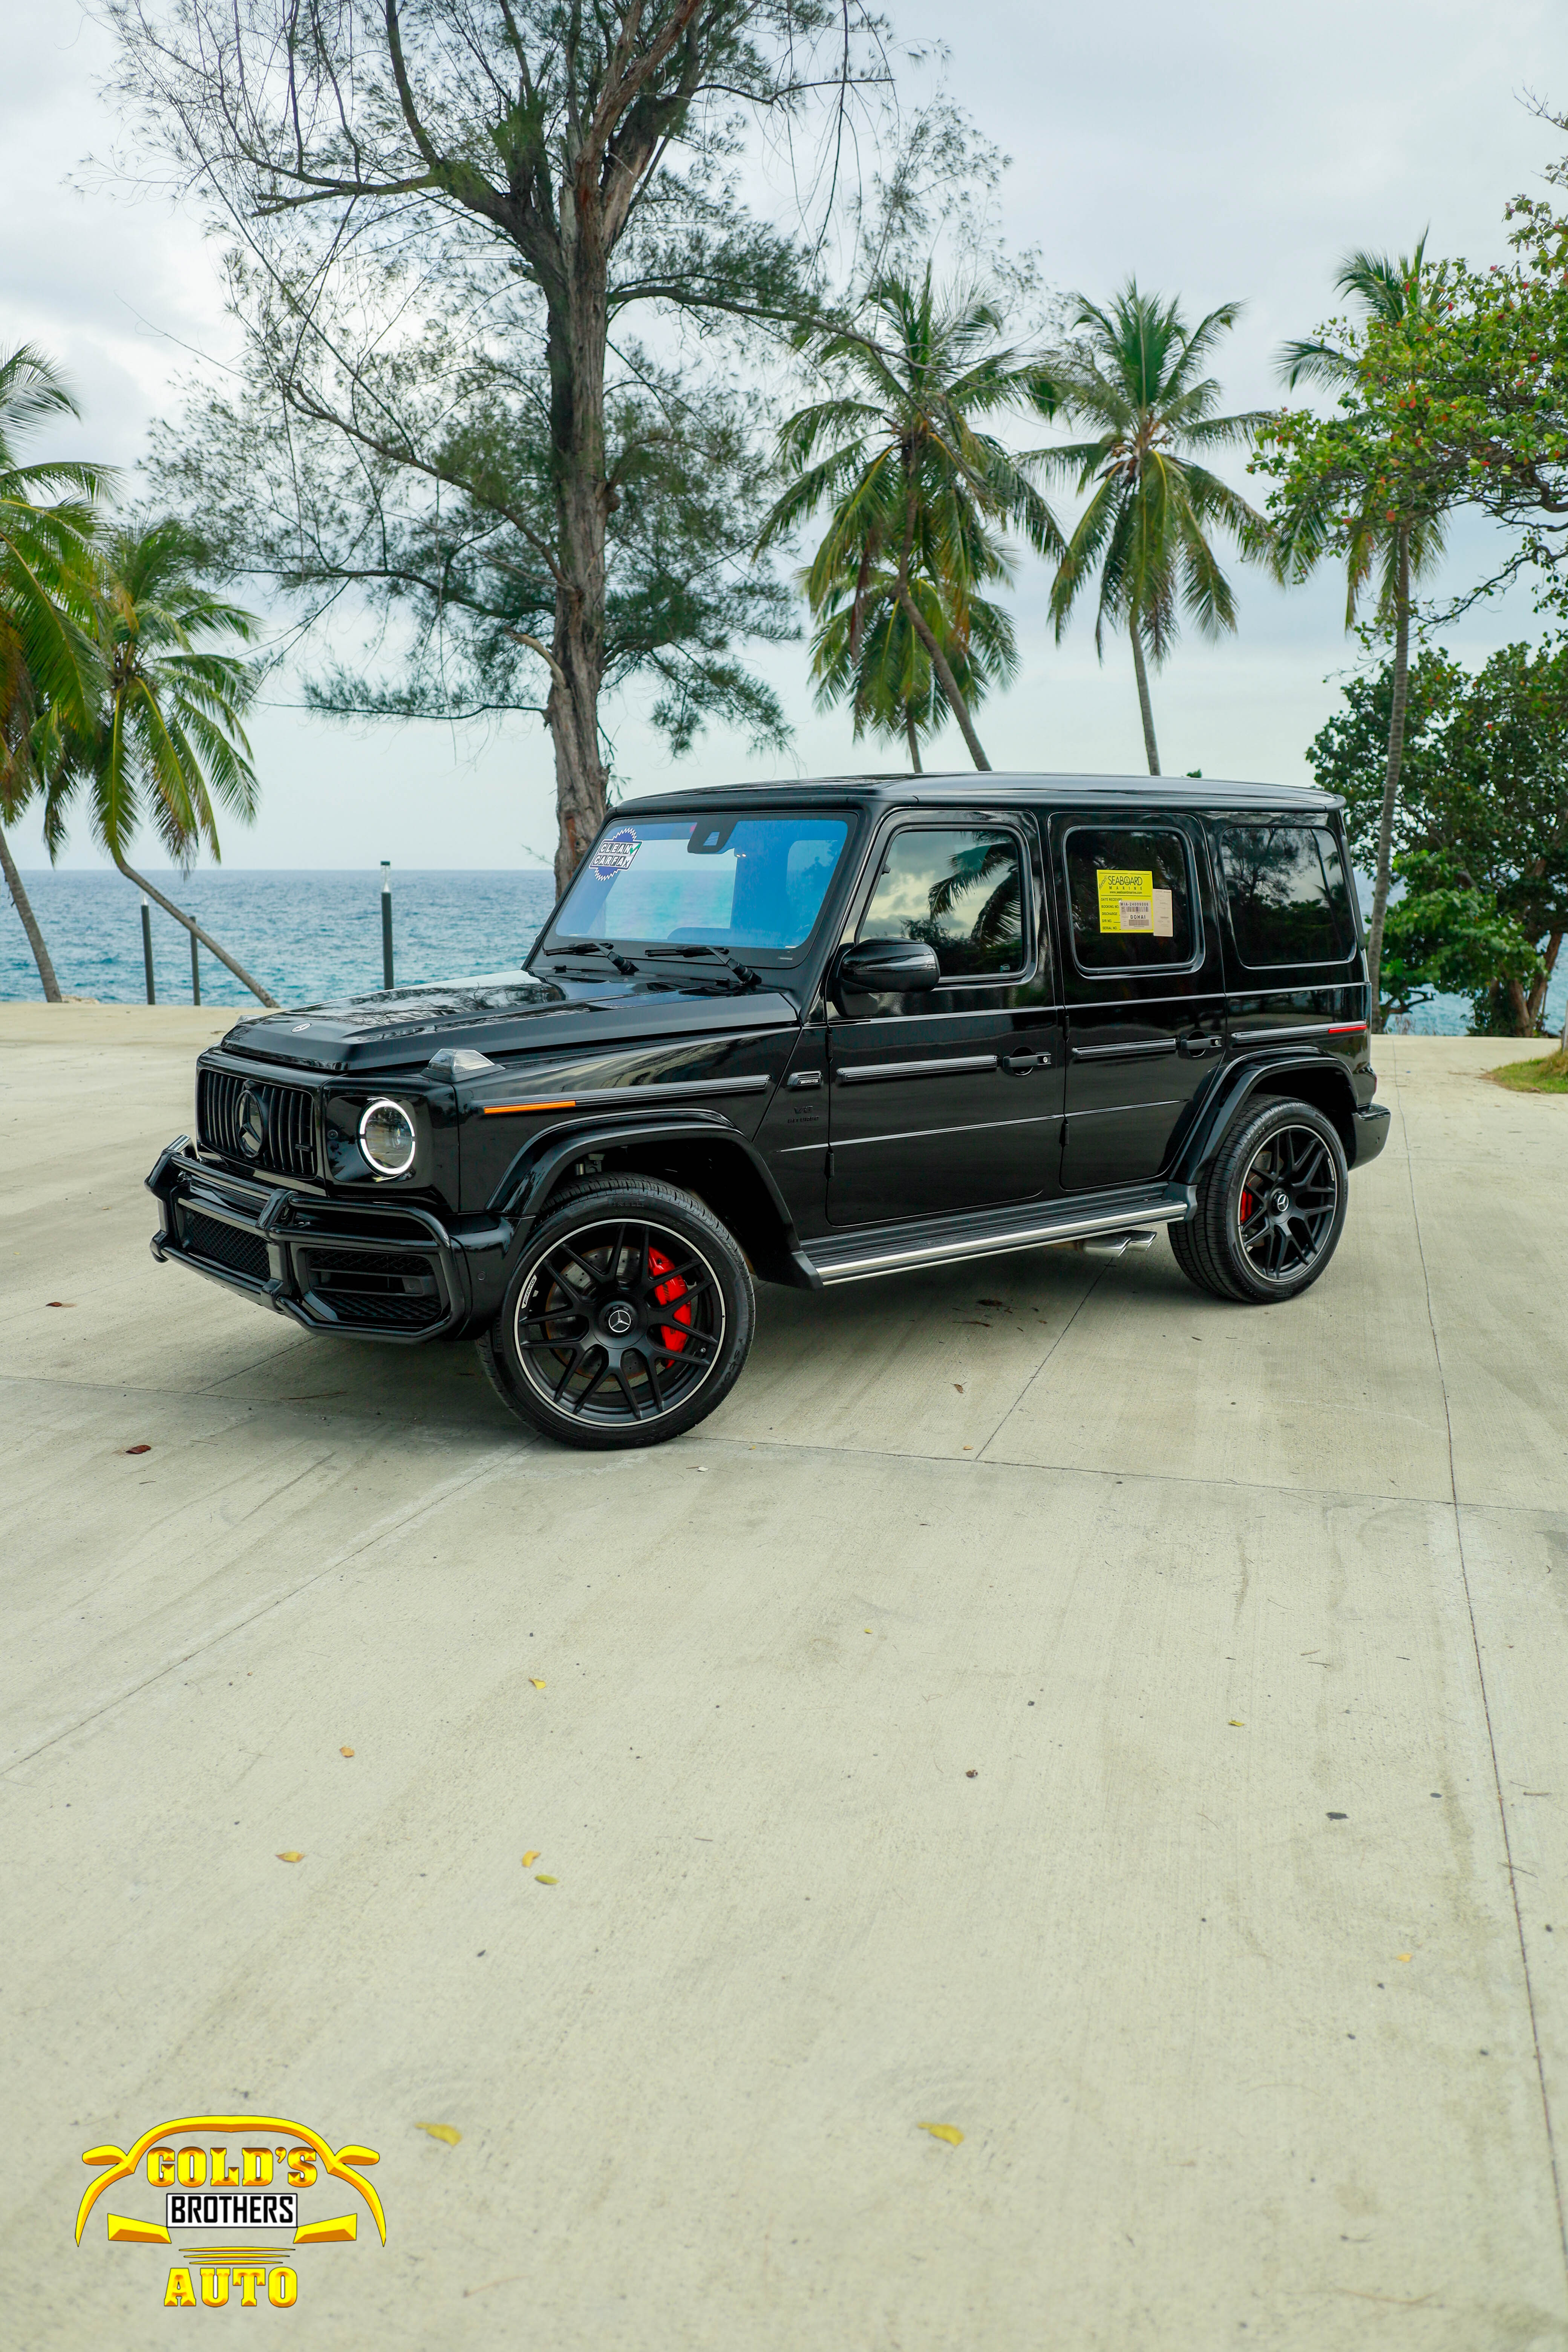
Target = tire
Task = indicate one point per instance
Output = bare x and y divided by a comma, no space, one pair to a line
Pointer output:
1270,1207
628,1319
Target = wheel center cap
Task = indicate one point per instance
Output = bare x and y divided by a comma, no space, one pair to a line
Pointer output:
619,1319
1279,1202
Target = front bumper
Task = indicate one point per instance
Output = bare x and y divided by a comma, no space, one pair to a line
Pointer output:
392,1272
1370,1133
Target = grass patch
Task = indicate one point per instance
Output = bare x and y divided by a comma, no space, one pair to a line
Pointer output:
1543,1074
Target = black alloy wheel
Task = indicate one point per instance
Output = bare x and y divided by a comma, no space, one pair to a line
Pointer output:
628,1319
1271,1209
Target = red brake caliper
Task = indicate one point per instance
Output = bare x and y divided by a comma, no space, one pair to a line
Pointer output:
667,1293
1248,1206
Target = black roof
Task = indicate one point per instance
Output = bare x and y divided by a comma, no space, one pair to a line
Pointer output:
999,787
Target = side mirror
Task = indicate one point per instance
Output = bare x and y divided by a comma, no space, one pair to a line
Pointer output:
887,968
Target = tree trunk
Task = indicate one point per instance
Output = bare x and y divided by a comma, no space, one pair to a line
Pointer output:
938,662
196,932
911,734
1537,1005
1146,709
24,907
578,330
1391,775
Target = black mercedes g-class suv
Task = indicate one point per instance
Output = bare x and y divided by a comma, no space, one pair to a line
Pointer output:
809,1031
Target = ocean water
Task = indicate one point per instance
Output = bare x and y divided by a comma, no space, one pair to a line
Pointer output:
307,936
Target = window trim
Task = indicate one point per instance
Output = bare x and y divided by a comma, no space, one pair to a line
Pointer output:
1220,827
960,821
1099,972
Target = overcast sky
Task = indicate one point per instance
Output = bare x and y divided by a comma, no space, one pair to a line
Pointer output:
1221,149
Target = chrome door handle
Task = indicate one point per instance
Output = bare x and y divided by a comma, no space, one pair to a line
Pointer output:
1195,1047
1017,1064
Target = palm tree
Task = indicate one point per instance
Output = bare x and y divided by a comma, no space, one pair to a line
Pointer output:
863,649
1134,376
1397,544
919,489
169,737
49,663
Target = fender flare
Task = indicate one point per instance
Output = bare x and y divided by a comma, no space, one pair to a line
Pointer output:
1237,1085
524,1192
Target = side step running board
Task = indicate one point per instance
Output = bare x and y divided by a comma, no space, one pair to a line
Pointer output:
1107,1228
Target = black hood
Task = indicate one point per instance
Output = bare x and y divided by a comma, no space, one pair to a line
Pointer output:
510,1014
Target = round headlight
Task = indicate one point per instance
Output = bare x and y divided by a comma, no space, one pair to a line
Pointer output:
386,1138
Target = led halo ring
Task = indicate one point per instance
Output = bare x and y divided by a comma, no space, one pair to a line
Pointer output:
395,1111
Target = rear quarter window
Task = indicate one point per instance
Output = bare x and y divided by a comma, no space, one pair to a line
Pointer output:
1286,890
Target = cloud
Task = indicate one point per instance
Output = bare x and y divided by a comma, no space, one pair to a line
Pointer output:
1218,149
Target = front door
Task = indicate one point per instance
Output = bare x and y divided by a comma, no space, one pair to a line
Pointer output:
1145,991
951,1099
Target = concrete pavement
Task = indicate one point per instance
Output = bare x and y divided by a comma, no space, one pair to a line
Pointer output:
996,1715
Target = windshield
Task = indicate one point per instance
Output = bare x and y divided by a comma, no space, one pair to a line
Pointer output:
755,882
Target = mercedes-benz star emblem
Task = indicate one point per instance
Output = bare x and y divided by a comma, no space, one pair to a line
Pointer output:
252,1125
619,1319
1279,1203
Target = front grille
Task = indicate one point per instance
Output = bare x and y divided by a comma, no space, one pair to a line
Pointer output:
224,1245
288,1121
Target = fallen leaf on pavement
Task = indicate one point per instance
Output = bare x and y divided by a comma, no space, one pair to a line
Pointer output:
974,1773
289,1856
1237,1724
949,2132
345,1751
959,1386
531,1855
59,1302
449,2132
541,1878
139,1449
1402,1956
536,1681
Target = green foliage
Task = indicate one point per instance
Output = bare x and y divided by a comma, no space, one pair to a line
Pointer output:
1350,484
437,589
166,738
452,227
48,519
865,651
1480,832
1546,1073
1133,374
1456,395
919,492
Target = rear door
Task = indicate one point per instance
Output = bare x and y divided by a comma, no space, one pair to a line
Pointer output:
951,1099
1144,989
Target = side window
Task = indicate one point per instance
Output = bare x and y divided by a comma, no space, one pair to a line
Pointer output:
960,890
1286,887
1132,897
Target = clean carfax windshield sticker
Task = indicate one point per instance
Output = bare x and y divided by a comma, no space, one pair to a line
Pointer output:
1129,902
234,2199
615,853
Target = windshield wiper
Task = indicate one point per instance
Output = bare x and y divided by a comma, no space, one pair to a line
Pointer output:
605,947
744,975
